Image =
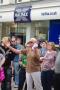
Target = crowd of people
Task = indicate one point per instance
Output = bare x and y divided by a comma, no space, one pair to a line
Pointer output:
37,63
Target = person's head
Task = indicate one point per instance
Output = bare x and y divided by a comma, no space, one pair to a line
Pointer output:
31,42
13,40
51,46
43,44
5,40
27,45
18,40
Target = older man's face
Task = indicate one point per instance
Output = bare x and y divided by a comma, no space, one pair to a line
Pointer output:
31,44
6,43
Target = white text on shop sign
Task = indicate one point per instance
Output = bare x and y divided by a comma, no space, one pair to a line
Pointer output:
22,14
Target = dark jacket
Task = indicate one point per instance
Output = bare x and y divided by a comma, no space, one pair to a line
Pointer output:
9,56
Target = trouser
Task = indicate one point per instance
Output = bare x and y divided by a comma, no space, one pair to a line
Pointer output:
16,73
6,84
57,82
47,79
22,77
33,77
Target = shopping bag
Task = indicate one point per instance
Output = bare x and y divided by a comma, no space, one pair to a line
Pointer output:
2,75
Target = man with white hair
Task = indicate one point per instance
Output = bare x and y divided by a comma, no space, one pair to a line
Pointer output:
33,66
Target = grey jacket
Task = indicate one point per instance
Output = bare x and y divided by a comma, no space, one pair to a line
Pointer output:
57,64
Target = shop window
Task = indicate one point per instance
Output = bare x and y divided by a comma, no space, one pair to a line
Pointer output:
41,29
42,32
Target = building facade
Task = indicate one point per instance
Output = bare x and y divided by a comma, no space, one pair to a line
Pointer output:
44,19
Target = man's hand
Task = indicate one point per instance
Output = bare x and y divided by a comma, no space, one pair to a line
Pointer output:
7,44
41,58
34,46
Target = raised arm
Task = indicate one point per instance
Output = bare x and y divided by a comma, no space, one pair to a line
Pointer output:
14,50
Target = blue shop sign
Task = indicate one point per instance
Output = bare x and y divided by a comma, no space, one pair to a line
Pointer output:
22,14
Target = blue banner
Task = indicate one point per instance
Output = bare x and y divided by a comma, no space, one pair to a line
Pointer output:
54,31
22,14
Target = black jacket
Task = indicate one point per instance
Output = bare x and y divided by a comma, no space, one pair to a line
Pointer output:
9,55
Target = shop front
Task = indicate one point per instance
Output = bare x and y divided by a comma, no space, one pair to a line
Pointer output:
50,20
26,17
30,22
43,23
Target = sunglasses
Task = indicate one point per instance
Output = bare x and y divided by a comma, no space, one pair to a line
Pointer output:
12,41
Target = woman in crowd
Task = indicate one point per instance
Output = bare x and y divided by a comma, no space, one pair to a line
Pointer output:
47,67
43,49
33,64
